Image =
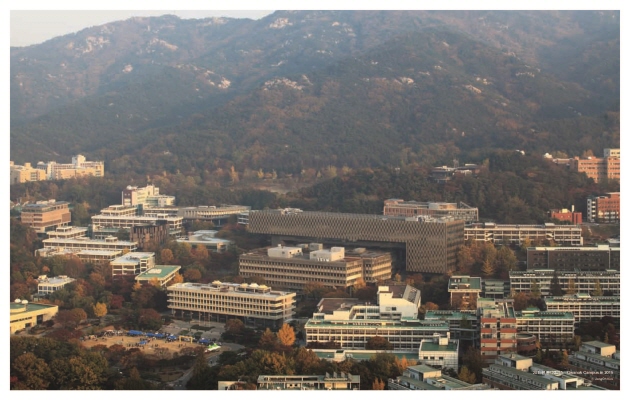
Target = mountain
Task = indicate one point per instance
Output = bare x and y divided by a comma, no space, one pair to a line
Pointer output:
308,89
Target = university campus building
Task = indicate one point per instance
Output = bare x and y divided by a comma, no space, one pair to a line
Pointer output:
132,264
79,167
424,377
290,268
162,274
351,323
401,208
45,216
220,301
552,328
598,361
604,209
597,258
428,244
585,307
516,372
570,235
26,315
609,281
46,285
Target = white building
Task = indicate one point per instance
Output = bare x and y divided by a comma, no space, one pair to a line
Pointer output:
206,238
146,196
132,264
46,285
585,307
351,323
220,301
439,352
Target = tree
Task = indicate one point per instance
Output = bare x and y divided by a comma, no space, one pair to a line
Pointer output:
555,287
466,376
286,335
268,340
535,289
177,278
378,384
378,343
597,291
234,326
100,310
429,306
571,287
506,260
70,319
192,275
149,319
31,372
359,284
166,255
465,259
487,268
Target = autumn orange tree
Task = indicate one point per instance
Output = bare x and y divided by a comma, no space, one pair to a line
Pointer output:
286,335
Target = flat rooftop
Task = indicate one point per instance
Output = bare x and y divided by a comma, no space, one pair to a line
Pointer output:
159,272
133,257
328,305
431,346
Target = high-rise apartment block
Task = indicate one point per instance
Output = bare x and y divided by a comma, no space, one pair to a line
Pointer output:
45,216
401,208
430,244
604,209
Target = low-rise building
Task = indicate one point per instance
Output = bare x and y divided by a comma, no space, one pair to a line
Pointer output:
570,235
46,285
25,173
599,169
585,307
464,291
67,232
220,301
351,323
132,264
401,208
424,377
289,267
150,236
146,196
106,224
463,325
594,258
604,209
26,315
162,274
79,167
599,362
516,372
564,214
591,282
334,381
341,355
552,328
45,216
439,352
495,288
217,214
207,238
84,243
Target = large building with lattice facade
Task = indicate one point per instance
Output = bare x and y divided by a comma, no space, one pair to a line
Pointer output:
430,244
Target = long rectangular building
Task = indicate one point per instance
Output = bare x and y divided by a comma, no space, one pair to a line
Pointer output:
288,267
585,307
401,208
570,235
597,258
430,244
220,301
609,281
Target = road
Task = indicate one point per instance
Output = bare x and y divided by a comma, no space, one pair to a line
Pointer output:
180,384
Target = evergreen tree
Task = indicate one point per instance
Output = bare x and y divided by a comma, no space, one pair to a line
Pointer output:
535,289
555,288
597,291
